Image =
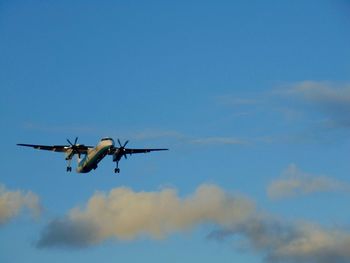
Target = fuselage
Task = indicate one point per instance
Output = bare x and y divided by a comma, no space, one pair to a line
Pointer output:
95,155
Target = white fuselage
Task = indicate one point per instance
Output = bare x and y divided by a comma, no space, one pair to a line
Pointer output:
95,155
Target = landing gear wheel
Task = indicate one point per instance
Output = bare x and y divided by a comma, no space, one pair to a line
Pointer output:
69,169
117,170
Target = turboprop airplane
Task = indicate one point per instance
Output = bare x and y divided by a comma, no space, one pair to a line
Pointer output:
92,155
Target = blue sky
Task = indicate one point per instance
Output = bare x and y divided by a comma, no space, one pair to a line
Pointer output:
251,97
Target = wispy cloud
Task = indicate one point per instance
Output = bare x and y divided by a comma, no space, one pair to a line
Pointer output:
295,182
219,140
187,139
156,134
146,134
64,128
125,214
13,202
311,109
325,93
332,100
231,100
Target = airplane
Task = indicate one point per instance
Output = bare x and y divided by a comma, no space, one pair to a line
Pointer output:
92,155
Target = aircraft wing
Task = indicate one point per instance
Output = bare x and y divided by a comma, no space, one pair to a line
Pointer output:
132,151
58,148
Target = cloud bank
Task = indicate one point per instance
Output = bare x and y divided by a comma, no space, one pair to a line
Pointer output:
126,215
288,242
294,182
13,202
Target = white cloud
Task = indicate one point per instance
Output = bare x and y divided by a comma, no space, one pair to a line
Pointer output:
295,182
288,242
125,214
13,202
312,243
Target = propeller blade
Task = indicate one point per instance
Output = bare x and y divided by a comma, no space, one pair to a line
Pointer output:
126,143
125,157
76,139
120,143
69,142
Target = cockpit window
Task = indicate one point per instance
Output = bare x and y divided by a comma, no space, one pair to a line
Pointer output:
106,139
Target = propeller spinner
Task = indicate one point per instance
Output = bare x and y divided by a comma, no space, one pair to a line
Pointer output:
74,148
122,148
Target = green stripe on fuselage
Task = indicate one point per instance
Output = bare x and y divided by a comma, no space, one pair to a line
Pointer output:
86,165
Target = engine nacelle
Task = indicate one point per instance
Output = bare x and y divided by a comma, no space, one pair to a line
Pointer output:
117,155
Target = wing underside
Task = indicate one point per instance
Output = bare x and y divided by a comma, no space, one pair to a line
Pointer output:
133,151
57,148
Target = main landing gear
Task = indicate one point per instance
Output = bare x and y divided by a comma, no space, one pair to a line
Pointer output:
117,170
69,168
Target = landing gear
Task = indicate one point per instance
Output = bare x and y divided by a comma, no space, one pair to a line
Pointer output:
69,168
117,170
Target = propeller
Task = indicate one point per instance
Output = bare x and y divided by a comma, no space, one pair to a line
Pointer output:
74,147
122,148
